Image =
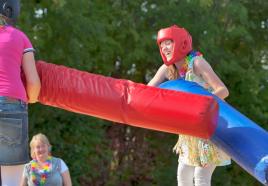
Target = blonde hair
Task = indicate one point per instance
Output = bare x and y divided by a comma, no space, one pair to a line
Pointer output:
172,72
3,20
38,137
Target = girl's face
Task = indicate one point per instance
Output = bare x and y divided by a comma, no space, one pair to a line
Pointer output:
41,150
167,48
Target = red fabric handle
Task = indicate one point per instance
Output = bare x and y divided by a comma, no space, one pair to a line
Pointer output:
127,102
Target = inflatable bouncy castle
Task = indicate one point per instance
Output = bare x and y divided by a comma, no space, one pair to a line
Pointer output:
178,107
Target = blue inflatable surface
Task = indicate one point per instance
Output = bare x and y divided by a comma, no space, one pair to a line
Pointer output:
242,139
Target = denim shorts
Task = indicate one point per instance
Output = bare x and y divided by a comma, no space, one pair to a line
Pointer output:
13,131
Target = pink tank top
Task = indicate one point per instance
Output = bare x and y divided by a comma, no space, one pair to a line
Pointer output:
13,44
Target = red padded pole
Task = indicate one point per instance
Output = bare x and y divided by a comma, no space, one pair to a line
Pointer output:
127,102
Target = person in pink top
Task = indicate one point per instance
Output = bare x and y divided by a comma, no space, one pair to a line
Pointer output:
16,57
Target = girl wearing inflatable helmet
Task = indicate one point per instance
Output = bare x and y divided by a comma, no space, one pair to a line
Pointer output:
16,53
198,157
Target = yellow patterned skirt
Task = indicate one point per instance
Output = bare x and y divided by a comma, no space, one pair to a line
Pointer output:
200,152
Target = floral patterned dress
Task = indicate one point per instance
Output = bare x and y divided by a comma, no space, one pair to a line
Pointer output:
195,151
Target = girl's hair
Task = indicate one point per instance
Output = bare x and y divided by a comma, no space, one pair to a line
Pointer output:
3,20
172,72
38,137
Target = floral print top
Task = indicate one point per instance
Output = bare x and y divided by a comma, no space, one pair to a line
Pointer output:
195,151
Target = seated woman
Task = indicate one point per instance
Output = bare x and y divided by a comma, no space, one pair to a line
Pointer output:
44,169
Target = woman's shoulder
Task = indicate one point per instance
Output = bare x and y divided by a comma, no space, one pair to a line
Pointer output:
192,58
58,161
18,31
28,164
163,67
27,168
199,62
56,158
13,29
60,165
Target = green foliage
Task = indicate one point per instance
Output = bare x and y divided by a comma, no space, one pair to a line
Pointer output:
117,38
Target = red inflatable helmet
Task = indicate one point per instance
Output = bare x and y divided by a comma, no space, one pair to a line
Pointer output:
182,41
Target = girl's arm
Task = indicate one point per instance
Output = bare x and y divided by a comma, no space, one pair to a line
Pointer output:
159,77
203,69
33,84
66,178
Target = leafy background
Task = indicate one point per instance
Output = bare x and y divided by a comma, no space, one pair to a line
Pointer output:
117,38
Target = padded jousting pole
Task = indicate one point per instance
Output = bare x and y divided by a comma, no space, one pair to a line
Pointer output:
127,102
